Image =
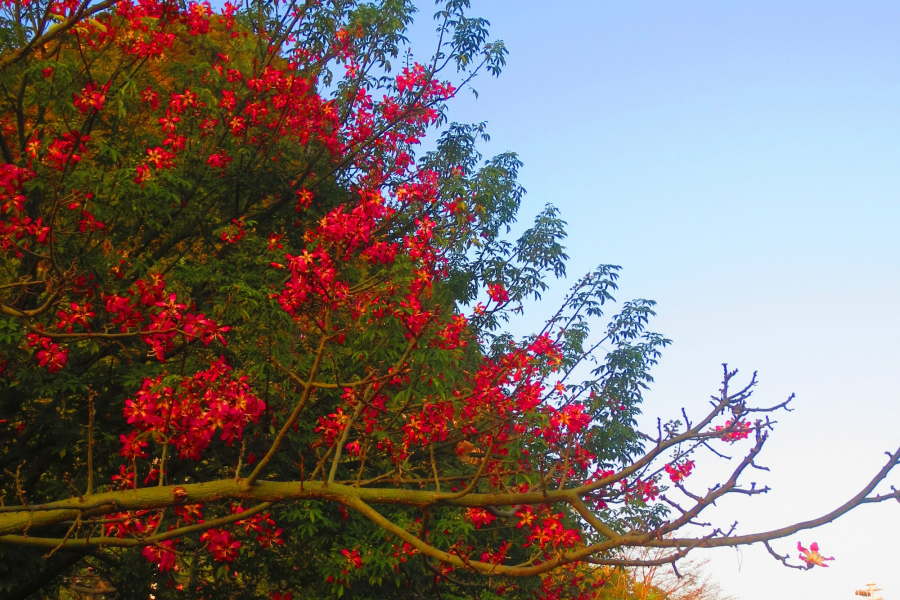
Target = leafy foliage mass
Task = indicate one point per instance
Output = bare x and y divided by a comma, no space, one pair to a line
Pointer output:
254,345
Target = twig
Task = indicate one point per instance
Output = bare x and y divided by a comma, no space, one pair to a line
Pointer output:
90,449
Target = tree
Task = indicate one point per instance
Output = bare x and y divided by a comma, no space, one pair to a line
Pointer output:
652,580
254,345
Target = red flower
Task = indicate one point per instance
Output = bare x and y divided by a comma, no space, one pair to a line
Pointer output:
480,517
237,125
150,97
527,517
498,293
88,221
143,174
353,448
169,122
233,232
353,558
50,355
304,198
63,151
572,417
219,161
161,555
90,98
221,544
269,537
124,478
679,472
812,557
740,430
160,158
12,178
496,557
190,513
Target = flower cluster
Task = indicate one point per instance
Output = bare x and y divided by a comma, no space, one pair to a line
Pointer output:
263,526
679,471
190,415
221,544
163,317
641,490
66,150
50,355
734,431
161,555
547,530
12,178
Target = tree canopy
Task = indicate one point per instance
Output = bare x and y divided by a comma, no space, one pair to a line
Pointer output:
255,342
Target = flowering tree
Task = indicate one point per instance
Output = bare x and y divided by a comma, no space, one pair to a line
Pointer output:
254,345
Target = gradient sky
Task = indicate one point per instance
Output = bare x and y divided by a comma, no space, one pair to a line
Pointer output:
741,161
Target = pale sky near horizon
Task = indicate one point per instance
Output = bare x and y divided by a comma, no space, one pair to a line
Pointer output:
740,161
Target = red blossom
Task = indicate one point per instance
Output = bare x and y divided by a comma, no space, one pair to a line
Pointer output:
160,158
161,555
811,556
90,98
49,353
234,232
644,491
190,513
497,557
143,174
734,431
353,558
221,544
571,418
64,150
678,472
498,293
219,160
12,178
480,517
304,199
150,97
207,402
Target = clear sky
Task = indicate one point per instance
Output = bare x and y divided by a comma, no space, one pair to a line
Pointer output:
741,161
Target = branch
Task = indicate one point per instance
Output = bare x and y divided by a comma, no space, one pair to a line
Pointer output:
65,543
54,32
783,559
304,398
861,498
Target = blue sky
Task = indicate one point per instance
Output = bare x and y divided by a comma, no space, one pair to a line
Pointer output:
741,161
